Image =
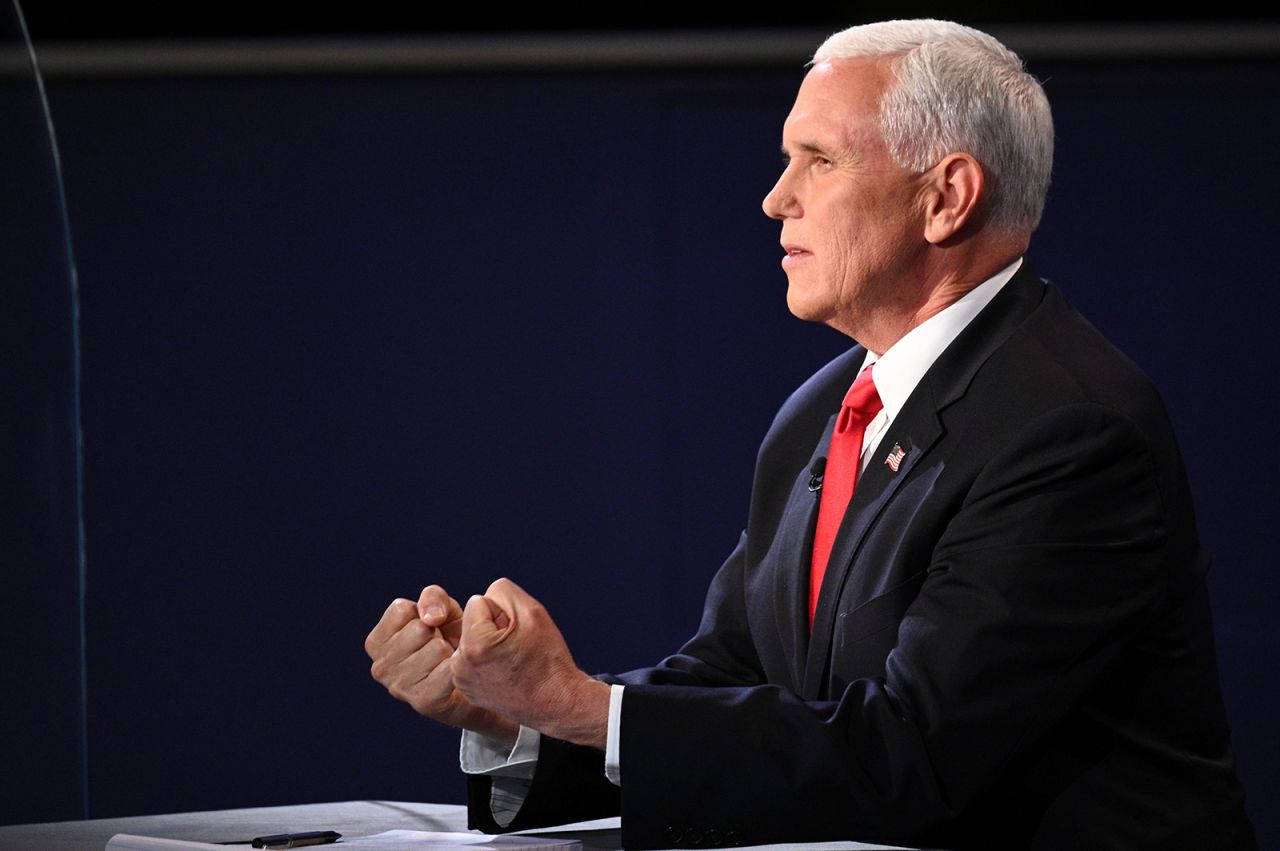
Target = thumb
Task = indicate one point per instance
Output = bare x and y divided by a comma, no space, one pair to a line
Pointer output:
483,619
500,618
437,608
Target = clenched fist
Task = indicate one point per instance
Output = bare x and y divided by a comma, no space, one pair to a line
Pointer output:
513,660
412,649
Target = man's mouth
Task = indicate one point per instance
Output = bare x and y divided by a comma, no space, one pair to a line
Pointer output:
793,249
793,254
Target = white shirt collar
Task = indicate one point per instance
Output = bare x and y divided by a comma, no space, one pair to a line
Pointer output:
900,369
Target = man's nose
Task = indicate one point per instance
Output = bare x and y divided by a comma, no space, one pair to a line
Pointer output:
780,203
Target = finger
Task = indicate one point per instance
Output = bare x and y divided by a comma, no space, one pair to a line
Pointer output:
425,664
485,622
399,613
437,608
477,619
509,598
503,608
505,589
452,628
422,677
412,636
389,656
438,697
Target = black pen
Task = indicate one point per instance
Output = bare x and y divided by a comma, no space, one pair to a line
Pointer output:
290,840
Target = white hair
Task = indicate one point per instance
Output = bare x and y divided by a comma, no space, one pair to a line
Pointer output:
957,89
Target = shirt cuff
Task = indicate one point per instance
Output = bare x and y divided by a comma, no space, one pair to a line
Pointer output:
482,755
612,768
511,769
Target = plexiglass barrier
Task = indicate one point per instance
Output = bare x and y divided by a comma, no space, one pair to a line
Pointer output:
42,613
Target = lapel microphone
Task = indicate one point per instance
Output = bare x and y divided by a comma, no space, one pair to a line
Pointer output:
815,474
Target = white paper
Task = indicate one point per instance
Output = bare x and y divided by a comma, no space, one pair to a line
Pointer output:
129,842
391,840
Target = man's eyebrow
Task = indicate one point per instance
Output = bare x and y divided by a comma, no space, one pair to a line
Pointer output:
805,148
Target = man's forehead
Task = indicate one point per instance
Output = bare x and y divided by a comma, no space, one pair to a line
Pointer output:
838,97
850,84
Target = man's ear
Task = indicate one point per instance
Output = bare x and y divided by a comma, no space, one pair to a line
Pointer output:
952,190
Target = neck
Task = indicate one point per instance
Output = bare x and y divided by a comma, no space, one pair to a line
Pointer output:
944,277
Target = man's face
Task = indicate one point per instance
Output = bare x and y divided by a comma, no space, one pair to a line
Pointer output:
852,224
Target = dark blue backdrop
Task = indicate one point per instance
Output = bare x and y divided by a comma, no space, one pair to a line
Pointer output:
345,337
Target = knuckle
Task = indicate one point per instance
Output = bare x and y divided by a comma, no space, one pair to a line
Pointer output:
462,670
536,615
424,705
432,654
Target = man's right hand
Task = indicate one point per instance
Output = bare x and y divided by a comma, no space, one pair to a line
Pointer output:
412,651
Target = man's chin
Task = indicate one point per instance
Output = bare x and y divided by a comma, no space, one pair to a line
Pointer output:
806,308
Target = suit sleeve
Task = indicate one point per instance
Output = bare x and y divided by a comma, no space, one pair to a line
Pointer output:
1055,558
568,785
569,782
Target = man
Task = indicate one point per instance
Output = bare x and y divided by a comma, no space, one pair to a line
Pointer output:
969,607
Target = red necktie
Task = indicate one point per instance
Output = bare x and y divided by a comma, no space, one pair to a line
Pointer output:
861,404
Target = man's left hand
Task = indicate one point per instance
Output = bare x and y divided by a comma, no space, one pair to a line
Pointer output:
523,669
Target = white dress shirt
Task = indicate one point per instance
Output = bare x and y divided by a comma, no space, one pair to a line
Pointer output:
897,372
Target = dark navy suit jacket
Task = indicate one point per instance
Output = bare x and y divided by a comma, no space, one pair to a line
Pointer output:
1012,646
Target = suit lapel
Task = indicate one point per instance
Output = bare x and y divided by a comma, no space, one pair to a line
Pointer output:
915,429
795,535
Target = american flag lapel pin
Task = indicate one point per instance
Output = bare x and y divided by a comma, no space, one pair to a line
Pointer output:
894,461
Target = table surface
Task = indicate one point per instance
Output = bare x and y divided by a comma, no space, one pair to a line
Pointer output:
350,818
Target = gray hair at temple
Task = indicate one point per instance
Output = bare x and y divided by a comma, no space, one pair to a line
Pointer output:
960,90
